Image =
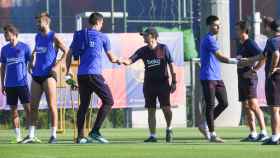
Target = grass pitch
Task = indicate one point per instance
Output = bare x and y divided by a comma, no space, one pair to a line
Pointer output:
128,143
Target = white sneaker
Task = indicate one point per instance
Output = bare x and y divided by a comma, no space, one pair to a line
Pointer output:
216,139
28,140
83,140
262,137
98,137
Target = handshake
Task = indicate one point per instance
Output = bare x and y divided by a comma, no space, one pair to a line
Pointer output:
241,62
121,61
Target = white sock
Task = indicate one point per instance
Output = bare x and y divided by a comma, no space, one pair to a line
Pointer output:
169,128
263,131
53,132
17,131
213,134
275,137
254,134
208,135
31,131
153,135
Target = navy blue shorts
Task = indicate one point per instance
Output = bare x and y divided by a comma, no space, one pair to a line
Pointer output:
272,90
160,90
247,88
15,93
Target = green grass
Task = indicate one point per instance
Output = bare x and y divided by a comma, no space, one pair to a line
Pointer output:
128,143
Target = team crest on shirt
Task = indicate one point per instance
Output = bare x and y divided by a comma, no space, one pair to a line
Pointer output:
40,49
153,63
11,61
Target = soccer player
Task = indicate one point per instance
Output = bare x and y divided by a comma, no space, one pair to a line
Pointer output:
272,83
210,76
156,57
14,59
88,45
248,81
44,74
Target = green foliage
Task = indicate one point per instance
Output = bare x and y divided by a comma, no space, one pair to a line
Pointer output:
189,41
117,118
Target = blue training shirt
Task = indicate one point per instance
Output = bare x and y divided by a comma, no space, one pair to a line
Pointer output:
45,54
210,65
15,59
90,45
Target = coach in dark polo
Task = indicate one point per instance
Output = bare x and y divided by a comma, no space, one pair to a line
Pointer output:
157,59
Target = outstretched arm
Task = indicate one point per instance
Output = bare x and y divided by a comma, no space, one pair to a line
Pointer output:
251,60
136,56
127,62
113,58
225,59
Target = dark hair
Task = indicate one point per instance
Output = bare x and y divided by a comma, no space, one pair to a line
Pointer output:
210,19
267,20
44,15
94,17
275,25
244,26
11,28
150,31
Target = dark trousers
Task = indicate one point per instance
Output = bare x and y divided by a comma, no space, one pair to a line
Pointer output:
214,89
87,85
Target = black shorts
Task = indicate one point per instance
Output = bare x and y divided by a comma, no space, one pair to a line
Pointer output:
41,79
15,93
272,90
160,90
247,88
